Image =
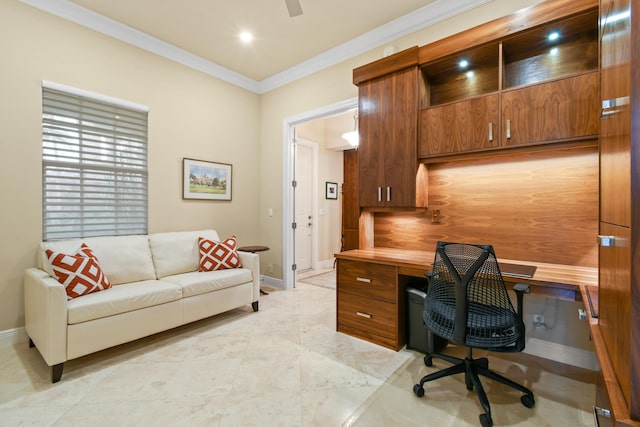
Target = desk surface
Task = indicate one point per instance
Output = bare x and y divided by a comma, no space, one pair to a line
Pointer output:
554,280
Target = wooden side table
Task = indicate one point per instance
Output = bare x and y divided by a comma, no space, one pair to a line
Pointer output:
254,249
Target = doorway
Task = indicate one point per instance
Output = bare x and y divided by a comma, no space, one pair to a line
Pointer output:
305,166
289,220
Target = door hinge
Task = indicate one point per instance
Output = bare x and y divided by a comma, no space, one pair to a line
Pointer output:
294,183
294,225
294,267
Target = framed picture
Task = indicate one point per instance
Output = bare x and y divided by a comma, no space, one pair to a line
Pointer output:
205,180
331,191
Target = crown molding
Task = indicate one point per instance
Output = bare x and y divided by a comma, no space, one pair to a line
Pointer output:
405,25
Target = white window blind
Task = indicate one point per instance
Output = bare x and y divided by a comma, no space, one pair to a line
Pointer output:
94,166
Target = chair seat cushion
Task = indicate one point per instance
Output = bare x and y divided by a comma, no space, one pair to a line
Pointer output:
487,326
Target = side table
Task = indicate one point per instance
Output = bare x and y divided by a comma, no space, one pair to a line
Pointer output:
254,249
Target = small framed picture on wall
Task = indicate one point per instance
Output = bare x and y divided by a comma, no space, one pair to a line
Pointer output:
331,191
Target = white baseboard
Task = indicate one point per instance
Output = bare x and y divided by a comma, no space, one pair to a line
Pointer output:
271,281
12,336
327,263
561,353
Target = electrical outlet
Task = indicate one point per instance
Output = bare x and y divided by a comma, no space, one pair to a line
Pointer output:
538,321
270,268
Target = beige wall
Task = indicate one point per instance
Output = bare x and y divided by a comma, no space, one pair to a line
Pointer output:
191,115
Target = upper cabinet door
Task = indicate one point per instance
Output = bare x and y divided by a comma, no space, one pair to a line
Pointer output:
387,155
460,127
550,112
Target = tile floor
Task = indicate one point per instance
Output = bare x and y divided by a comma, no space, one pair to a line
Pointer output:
282,366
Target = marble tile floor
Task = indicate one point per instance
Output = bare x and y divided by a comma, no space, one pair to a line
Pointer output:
283,366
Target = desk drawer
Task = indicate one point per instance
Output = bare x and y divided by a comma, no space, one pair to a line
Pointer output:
367,279
372,316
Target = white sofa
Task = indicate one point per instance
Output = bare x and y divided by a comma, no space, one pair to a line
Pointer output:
156,286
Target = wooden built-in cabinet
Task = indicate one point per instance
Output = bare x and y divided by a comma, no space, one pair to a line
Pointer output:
388,127
518,90
369,303
617,330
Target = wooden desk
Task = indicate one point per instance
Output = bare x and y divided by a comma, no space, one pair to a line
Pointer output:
371,287
550,280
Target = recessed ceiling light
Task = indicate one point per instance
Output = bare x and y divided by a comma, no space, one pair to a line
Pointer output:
246,37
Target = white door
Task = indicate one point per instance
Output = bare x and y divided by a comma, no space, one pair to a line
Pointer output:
304,171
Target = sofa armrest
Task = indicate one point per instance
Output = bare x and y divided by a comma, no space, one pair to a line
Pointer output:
45,303
252,262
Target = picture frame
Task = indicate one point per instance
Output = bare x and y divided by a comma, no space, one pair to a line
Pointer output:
206,180
331,191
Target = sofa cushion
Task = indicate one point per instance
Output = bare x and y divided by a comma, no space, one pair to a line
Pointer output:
196,283
120,299
79,273
216,255
177,252
123,259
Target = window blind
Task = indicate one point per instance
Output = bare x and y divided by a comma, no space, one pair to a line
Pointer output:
94,166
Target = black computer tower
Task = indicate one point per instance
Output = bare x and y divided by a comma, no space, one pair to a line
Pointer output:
418,337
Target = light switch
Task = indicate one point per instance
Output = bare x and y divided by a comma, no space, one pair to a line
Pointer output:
322,211
270,211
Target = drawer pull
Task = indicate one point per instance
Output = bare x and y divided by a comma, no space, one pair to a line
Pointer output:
365,315
363,279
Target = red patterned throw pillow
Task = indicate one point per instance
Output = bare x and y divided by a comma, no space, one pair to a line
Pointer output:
80,273
218,255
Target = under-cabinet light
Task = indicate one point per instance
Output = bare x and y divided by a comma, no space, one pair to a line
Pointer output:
553,36
463,63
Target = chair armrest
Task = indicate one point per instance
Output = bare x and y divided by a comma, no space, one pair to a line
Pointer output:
252,262
45,302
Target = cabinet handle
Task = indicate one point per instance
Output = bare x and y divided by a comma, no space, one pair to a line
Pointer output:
363,279
379,194
508,129
606,241
365,315
388,194
490,132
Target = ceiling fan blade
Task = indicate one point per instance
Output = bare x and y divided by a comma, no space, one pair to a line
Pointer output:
294,8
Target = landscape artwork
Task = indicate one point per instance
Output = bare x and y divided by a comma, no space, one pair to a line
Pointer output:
206,180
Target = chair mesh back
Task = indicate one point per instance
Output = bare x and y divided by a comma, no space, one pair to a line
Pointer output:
467,301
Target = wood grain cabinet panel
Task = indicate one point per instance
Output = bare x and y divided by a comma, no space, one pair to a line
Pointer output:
388,126
368,280
553,111
369,303
460,127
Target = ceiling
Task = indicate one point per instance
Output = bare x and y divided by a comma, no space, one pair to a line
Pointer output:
205,33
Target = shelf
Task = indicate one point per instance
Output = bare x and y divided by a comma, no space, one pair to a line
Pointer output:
530,57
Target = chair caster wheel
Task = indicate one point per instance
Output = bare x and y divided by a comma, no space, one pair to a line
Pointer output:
486,420
418,390
528,401
428,360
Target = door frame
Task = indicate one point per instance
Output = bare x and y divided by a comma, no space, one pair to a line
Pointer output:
288,153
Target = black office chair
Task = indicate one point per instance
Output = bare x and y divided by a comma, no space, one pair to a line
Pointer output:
467,303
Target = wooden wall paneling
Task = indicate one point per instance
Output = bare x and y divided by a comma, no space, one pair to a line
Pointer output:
539,206
350,202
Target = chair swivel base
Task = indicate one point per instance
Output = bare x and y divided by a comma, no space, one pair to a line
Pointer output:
472,368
